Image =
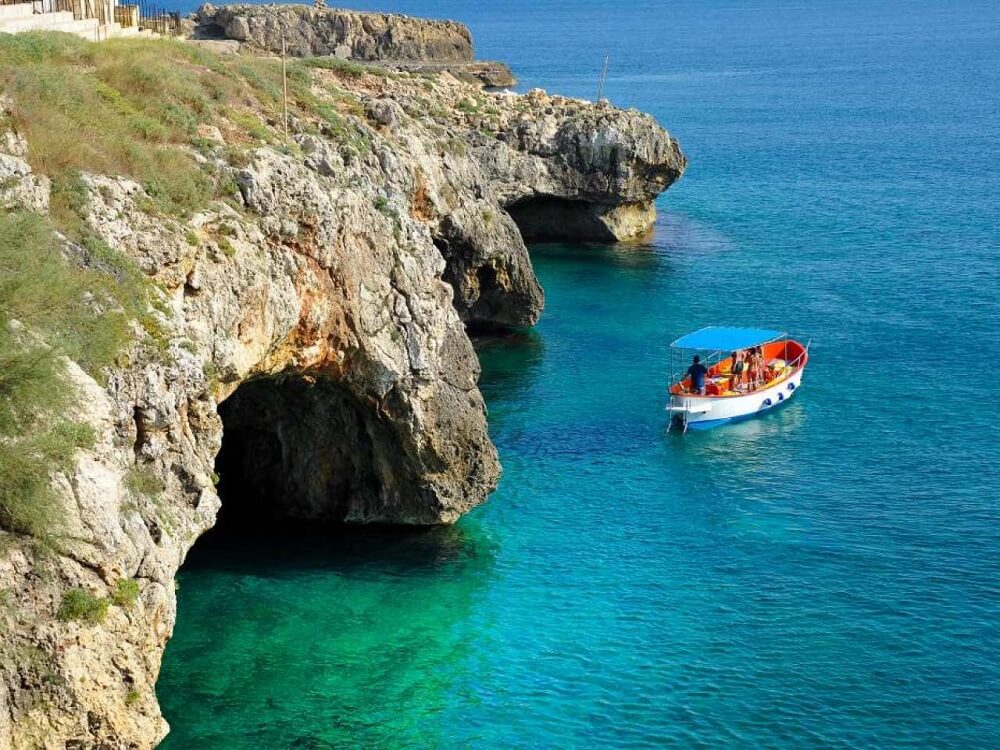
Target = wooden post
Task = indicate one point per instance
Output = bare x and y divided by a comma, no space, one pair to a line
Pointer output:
284,86
604,74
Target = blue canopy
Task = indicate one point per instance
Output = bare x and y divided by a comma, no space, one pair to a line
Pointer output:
726,339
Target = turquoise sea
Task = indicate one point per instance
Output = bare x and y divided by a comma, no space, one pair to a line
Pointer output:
827,576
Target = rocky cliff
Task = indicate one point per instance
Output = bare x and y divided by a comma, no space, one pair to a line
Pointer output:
310,341
309,31
393,40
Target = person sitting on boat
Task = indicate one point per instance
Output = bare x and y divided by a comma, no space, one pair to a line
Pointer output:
697,372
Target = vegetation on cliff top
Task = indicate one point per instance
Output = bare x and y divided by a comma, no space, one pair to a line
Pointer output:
134,108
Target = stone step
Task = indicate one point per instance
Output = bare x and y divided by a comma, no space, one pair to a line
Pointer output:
86,28
37,21
131,32
20,10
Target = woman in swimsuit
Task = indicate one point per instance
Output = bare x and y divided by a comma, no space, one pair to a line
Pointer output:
757,367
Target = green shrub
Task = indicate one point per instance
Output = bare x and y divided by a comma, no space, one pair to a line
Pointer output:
68,200
28,504
78,604
125,593
345,67
455,147
236,157
251,125
131,697
142,481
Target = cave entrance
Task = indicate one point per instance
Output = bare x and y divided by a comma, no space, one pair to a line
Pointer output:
294,449
549,219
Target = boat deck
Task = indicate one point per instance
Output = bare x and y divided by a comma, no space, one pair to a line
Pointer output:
781,359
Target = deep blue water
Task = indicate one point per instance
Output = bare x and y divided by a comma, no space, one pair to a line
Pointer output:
828,576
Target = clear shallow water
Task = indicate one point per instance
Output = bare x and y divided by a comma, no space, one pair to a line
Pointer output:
828,576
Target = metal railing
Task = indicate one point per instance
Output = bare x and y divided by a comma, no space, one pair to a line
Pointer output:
140,15
159,20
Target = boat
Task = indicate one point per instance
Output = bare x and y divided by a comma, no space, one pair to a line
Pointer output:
724,401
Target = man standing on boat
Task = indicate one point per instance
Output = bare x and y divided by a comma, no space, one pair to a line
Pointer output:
697,372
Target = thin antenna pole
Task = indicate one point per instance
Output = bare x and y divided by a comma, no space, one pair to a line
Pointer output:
284,85
604,74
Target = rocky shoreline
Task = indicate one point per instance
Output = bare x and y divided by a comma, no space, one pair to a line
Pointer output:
313,328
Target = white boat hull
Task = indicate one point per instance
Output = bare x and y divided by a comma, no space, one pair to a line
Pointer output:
695,412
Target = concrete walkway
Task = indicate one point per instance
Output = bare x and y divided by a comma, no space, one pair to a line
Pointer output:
21,17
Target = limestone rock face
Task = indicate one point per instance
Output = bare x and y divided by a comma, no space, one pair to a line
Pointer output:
20,189
393,41
314,361
488,73
325,31
488,267
581,170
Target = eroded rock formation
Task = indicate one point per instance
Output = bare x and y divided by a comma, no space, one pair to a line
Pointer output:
320,315
394,41
348,34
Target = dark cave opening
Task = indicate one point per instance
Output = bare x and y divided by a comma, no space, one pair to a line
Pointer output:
549,219
294,450
484,305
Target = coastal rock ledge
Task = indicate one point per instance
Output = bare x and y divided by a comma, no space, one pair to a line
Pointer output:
393,40
309,354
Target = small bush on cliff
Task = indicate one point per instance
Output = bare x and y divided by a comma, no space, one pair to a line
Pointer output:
346,67
78,604
141,481
125,593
